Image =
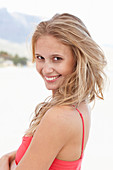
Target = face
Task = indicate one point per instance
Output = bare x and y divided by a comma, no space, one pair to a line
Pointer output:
54,61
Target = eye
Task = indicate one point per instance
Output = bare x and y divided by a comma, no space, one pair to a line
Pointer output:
40,57
57,58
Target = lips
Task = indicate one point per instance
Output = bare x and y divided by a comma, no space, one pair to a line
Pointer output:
52,78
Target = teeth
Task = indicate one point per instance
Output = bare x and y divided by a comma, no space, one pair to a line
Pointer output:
52,78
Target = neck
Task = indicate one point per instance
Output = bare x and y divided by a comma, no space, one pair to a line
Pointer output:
53,92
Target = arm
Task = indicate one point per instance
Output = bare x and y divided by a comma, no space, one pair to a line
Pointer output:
49,138
13,165
6,160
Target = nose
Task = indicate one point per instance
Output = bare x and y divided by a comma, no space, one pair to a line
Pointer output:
47,68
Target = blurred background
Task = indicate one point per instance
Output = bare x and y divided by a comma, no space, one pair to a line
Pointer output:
21,88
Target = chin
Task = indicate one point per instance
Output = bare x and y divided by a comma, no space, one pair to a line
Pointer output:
51,88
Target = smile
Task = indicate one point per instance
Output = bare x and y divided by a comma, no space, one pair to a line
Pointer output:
51,78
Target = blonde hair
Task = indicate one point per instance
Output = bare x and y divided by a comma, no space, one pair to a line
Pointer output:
87,80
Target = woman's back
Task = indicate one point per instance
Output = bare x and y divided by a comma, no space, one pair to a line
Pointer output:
71,151
78,124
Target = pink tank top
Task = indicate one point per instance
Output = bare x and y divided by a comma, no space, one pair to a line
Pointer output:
57,164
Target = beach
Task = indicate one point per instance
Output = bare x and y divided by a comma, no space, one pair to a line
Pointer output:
21,89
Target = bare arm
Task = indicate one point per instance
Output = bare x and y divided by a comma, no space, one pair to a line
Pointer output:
6,161
13,165
49,138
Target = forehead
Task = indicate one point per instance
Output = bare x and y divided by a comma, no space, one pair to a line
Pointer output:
48,42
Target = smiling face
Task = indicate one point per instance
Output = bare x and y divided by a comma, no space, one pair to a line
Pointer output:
54,61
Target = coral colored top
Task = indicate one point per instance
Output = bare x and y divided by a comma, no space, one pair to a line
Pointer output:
57,164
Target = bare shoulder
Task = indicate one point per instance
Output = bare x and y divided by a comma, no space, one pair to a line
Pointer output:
68,113
67,117
85,110
57,121
59,116
67,120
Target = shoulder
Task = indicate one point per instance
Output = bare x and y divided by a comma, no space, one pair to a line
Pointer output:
55,126
65,119
61,114
85,110
58,116
62,120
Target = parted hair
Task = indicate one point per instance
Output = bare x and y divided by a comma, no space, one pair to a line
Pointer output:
87,79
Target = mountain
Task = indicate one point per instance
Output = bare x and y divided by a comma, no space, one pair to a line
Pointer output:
16,27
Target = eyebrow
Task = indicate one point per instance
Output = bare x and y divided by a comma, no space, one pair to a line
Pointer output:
37,54
53,55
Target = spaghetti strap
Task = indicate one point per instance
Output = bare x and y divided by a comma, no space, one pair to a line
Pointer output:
83,133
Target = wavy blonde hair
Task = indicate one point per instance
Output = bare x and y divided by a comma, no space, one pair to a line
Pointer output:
87,80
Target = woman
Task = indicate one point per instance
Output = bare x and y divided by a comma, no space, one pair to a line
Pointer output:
71,64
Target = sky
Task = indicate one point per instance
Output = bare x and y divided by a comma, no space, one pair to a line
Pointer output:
96,14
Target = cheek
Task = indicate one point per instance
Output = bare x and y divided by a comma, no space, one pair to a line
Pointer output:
67,69
38,68
71,66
